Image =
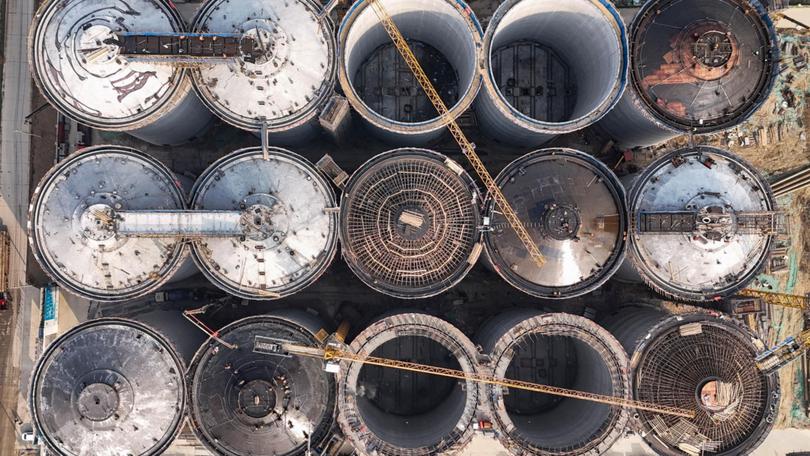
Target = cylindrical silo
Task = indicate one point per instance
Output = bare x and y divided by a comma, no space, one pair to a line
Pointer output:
88,257
703,223
285,88
108,387
573,207
84,77
561,350
287,215
550,68
703,363
246,402
391,412
696,66
410,223
445,37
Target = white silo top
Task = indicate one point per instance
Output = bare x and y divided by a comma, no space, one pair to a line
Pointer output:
83,254
290,216
285,87
86,78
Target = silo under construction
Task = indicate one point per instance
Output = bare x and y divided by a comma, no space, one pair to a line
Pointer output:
81,72
106,388
444,35
561,350
704,221
280,89
410,223
70,231
703,363
392,412
550,68
272,223
574,209
696,66
247,401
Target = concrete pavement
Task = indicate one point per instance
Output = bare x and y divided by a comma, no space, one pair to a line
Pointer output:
15,142
14,188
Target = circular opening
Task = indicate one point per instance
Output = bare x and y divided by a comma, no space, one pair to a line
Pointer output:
408,409
549,75
98,402
257,398
550,422
443,42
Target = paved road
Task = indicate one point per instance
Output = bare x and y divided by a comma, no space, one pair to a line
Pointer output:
14,162
14,175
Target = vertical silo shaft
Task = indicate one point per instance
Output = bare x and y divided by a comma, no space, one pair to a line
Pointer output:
550,68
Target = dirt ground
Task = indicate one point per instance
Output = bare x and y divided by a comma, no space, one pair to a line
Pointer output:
777,156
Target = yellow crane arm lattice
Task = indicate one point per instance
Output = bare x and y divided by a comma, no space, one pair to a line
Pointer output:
331,353
466,146
778,299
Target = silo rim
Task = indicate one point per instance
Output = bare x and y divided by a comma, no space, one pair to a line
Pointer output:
410,128
195,365
740,332
410,324
182,84
404,152
180,251
332,244
641,267
567,126
111,321
618,256
501,356
675,126
302,115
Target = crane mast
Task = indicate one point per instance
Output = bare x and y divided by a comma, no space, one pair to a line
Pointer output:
467,147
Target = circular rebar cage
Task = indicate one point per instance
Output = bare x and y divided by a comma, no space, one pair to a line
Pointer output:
706,366
409,223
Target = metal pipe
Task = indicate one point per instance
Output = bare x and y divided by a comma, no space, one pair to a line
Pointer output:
550,68
445,35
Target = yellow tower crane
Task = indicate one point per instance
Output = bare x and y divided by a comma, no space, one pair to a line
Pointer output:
467,147
334,352
794,346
